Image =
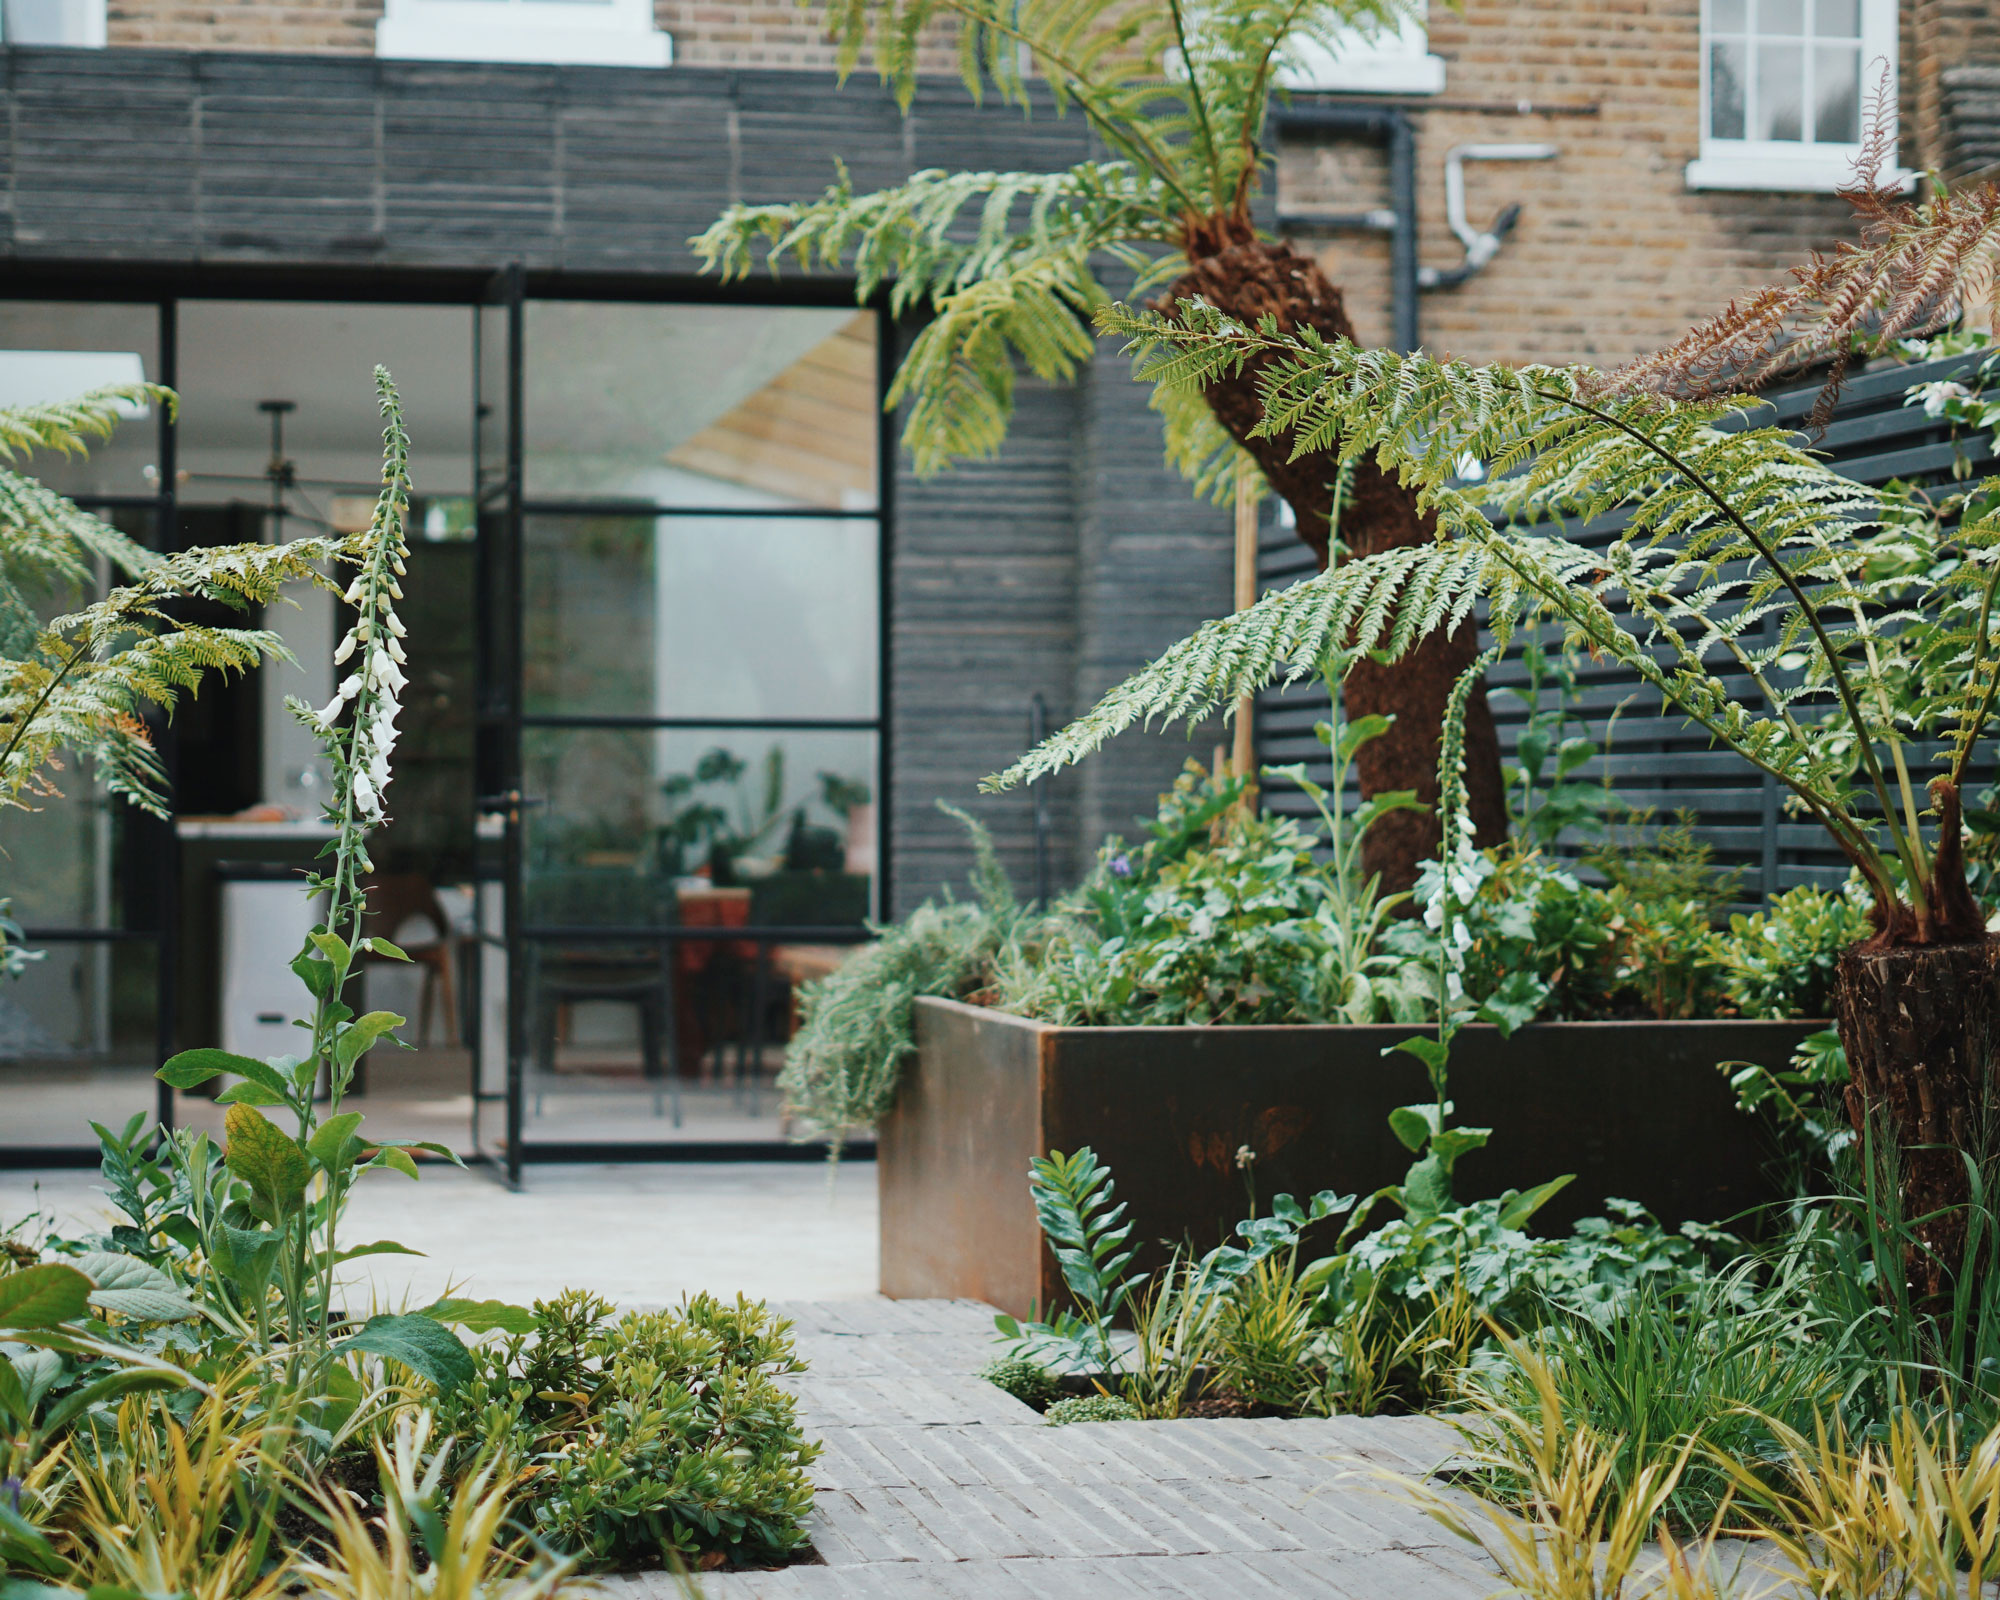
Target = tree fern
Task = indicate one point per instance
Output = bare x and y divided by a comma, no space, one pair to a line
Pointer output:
1724,525
1008,262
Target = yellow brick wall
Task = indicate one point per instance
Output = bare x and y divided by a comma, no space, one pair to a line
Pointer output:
1612,256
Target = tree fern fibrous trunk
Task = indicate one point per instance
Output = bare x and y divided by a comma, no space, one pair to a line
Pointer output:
1249,278
1921,1027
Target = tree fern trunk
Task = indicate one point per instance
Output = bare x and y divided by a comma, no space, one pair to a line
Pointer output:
1251,278
1921,1027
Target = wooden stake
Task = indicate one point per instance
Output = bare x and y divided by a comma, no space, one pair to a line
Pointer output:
1246,596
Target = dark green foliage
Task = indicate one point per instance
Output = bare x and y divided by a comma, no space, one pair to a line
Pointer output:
1091,1408
1780,962
1027,1381
656,1435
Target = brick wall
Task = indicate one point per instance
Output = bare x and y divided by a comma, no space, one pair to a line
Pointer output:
1612,256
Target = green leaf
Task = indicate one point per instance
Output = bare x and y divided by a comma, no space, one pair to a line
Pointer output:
382,947
112,1386
192,1067
1451,1143
334,948
315,974
1426,1188
421,1343
1415,1125
381,1247
1350,736
329,1144
43,1296
482,1316
133,1288
360,1036
274,1166
1516,1003
1517,1207
250,1094
37,1371
399,1158
246,1257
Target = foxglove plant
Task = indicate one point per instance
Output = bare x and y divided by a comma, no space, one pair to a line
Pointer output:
296,1250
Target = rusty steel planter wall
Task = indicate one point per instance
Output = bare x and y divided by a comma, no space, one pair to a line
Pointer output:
1634,1109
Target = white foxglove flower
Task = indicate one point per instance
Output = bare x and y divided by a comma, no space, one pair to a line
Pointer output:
1936,396
346,646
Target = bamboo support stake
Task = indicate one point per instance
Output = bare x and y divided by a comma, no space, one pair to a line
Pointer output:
1246,596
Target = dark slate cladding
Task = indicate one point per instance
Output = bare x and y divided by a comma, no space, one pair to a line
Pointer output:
1053,569
1656,759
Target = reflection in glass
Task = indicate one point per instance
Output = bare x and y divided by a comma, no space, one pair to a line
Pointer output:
779,825
57,351
1837,19
1784,17
1727,16
1780,92
77,1040
701,405
1725,91
694,616
237,354
1836,95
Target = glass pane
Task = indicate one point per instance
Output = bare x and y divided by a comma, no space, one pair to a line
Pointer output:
1836,95
1725,91
241,358
702,616
78,1041
55,351
735,406
1837,19
1780,92
59,857
1727,16
1786,17
644,827
806,591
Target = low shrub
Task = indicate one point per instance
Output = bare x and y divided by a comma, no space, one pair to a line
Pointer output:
645,1437
1029,1382
1091,1408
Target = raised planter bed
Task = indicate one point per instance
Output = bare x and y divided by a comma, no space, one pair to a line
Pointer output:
1634,1109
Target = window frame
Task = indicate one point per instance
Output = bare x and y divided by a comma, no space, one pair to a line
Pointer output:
1786,165
1395,63
602,33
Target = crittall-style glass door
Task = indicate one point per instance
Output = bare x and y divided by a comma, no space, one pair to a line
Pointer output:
682,558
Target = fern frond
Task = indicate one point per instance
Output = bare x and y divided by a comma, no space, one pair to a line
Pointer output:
1721,526
92,674
1913,270
68,426
1005,260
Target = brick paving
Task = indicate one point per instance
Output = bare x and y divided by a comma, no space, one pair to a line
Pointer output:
934,1483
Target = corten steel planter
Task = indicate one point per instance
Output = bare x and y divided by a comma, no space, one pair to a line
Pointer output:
1634,1109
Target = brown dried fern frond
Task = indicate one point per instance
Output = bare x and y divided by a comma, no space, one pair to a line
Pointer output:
1915,267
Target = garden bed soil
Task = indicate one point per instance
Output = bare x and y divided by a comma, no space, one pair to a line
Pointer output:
1634,1109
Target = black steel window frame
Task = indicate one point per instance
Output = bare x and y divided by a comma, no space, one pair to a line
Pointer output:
164,285
506,718
164,854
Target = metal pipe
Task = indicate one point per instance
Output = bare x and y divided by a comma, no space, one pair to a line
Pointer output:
1480,246
1393,128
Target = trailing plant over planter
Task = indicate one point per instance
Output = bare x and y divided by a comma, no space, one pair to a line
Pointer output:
1726,524
1008,265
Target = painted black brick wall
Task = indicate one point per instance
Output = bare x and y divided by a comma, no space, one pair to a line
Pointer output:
1053,569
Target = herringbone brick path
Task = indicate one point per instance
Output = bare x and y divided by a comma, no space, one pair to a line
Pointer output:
934,1483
